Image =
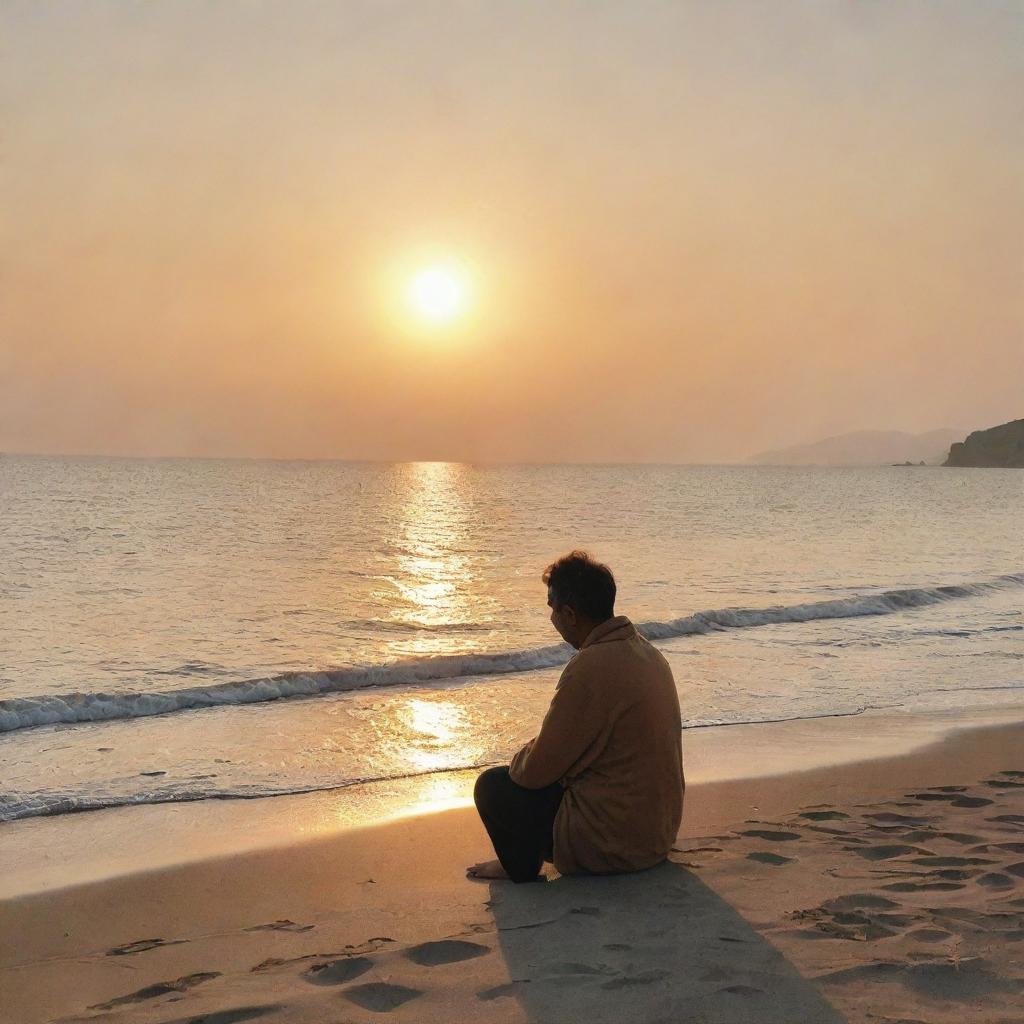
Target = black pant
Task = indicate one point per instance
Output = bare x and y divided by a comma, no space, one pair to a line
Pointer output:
518,820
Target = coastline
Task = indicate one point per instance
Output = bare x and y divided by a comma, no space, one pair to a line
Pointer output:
230,884
45,854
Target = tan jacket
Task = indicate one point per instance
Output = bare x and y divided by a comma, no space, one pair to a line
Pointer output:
613,738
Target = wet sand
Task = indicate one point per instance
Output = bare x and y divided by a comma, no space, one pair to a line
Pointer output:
890,889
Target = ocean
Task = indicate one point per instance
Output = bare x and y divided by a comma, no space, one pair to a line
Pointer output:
175,629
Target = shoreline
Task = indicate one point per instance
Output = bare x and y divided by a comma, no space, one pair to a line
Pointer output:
104,845
259,927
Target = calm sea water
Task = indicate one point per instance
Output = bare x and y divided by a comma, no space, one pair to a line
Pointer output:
152,612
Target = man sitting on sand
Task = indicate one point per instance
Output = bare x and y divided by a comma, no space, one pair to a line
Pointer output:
599,790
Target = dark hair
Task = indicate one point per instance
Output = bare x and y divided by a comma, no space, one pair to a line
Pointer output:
583,584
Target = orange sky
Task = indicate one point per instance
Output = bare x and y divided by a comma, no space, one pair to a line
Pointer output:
696,230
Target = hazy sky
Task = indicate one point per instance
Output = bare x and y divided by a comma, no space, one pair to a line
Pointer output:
692,230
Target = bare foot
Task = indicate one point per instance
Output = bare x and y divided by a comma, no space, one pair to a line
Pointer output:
487,869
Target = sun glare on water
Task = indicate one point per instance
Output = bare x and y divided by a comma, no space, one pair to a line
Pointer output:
438,295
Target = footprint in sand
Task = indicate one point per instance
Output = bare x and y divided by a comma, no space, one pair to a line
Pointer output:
845,918
280,926
446,951
161,988
994,880
963,982
379,996
905,819
962,838
764,857
951,862
775,837
142,945
849,836
1010,819
913,835
923,886
348,953
887,852
337,972
954,875
824,815
953,798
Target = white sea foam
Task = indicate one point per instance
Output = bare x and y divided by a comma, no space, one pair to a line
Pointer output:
16,806
26,712
51,802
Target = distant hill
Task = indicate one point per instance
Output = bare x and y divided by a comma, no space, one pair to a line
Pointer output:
864,448
1001,446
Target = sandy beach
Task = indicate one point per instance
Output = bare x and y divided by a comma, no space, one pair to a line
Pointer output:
886,888
397,392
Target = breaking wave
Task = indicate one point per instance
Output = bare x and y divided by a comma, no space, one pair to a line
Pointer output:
49,709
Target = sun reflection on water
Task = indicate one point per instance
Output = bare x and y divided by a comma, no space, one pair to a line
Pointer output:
441,793
437,731
433,727
438,590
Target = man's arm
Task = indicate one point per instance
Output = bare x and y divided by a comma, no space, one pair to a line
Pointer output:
571,724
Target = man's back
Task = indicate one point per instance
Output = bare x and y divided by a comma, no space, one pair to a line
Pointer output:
613,738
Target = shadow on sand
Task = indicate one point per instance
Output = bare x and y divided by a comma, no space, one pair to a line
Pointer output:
648,948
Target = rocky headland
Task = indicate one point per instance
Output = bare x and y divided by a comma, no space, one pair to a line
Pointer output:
999,447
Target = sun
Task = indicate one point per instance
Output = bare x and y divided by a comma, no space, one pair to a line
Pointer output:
438,294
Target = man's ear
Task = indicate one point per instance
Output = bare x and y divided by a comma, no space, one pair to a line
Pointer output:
569,613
